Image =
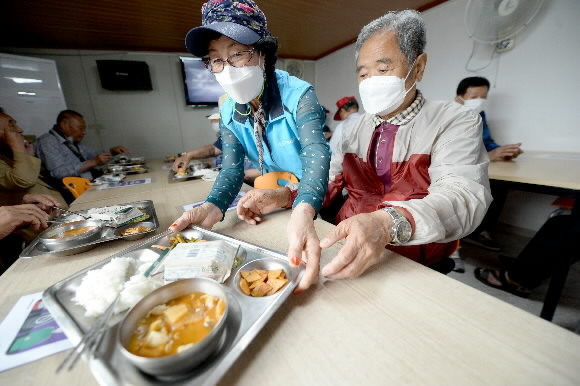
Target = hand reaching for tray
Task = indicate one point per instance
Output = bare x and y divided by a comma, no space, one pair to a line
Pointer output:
12,217
258,202
206,215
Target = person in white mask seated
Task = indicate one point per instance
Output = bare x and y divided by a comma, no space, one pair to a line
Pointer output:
270,117
415,169
472,93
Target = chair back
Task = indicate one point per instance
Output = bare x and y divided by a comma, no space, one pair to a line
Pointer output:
76,185
270,180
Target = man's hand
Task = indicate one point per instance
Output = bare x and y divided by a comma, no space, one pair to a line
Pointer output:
505,152
181,162
366,236
43,201
29,148
258,202
12,217
102,159
119,150
206,215
15,141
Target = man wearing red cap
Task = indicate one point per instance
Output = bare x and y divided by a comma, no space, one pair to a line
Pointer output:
347,110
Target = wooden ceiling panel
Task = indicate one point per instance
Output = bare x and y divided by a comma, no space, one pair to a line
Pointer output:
306,29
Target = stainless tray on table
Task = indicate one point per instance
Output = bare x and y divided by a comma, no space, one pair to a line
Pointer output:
128,169
246,317
197,169
37,248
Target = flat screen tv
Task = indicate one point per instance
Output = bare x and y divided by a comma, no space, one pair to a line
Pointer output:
201,87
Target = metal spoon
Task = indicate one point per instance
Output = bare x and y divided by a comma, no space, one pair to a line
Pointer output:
70,212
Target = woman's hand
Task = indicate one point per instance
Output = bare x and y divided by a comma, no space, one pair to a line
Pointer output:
12,217
303,244
205,215
366,236
258,202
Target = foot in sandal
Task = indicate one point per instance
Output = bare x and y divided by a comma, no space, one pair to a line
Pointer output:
499,278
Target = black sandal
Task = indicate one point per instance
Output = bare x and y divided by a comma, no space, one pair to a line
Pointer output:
482,274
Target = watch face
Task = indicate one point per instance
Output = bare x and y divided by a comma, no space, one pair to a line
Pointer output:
404,231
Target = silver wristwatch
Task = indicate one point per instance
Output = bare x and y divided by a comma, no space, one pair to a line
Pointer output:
401,230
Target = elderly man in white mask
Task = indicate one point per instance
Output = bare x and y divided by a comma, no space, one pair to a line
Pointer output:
415,169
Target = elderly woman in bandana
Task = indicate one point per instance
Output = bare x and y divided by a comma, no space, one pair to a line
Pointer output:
271,117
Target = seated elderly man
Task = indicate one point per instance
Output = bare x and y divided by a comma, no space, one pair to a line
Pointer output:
62,153
19,169
415,169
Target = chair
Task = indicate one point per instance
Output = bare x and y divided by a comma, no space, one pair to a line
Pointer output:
564,204
270,180
76,185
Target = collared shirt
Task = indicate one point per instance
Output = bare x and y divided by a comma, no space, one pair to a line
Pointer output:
381,151
59,159
406,115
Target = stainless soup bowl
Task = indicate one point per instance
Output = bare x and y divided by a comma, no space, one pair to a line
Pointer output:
184,361
71,241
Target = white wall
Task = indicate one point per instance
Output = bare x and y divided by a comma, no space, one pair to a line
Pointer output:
150,123
534,94
30,91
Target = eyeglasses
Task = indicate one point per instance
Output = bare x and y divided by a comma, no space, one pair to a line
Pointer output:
238,59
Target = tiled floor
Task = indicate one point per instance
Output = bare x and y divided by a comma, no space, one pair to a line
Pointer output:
568,311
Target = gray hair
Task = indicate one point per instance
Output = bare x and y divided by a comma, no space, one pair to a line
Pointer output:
409,27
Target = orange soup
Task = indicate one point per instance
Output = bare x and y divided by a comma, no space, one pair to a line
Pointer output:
72,232
176,325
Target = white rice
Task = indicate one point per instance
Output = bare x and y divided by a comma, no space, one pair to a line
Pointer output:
100,287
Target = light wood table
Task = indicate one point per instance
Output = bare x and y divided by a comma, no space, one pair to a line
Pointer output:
547,173
549,169
400,323
159,180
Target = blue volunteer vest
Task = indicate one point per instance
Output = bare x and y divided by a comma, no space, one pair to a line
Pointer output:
282,153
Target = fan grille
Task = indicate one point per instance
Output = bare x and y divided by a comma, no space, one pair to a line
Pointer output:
490,21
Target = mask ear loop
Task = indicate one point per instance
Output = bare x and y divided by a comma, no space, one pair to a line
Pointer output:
409,73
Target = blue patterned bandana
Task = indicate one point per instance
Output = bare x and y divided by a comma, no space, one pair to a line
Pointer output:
240,20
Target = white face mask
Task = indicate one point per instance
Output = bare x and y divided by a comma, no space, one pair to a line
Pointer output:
215,127
241,83
477,105
381,95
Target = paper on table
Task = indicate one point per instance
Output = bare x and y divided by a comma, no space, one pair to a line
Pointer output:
232,205
121,184
29,333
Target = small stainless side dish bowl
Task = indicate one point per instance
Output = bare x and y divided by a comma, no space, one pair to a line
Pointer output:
64,236
185,361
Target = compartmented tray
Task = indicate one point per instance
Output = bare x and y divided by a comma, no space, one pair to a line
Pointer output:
246,317
37,248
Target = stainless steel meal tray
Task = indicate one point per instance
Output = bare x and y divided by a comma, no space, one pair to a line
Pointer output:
37,248
128,169
246,317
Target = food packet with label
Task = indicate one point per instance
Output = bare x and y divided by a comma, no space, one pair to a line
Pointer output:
212,259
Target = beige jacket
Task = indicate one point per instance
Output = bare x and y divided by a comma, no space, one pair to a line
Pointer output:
442,144
19,175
